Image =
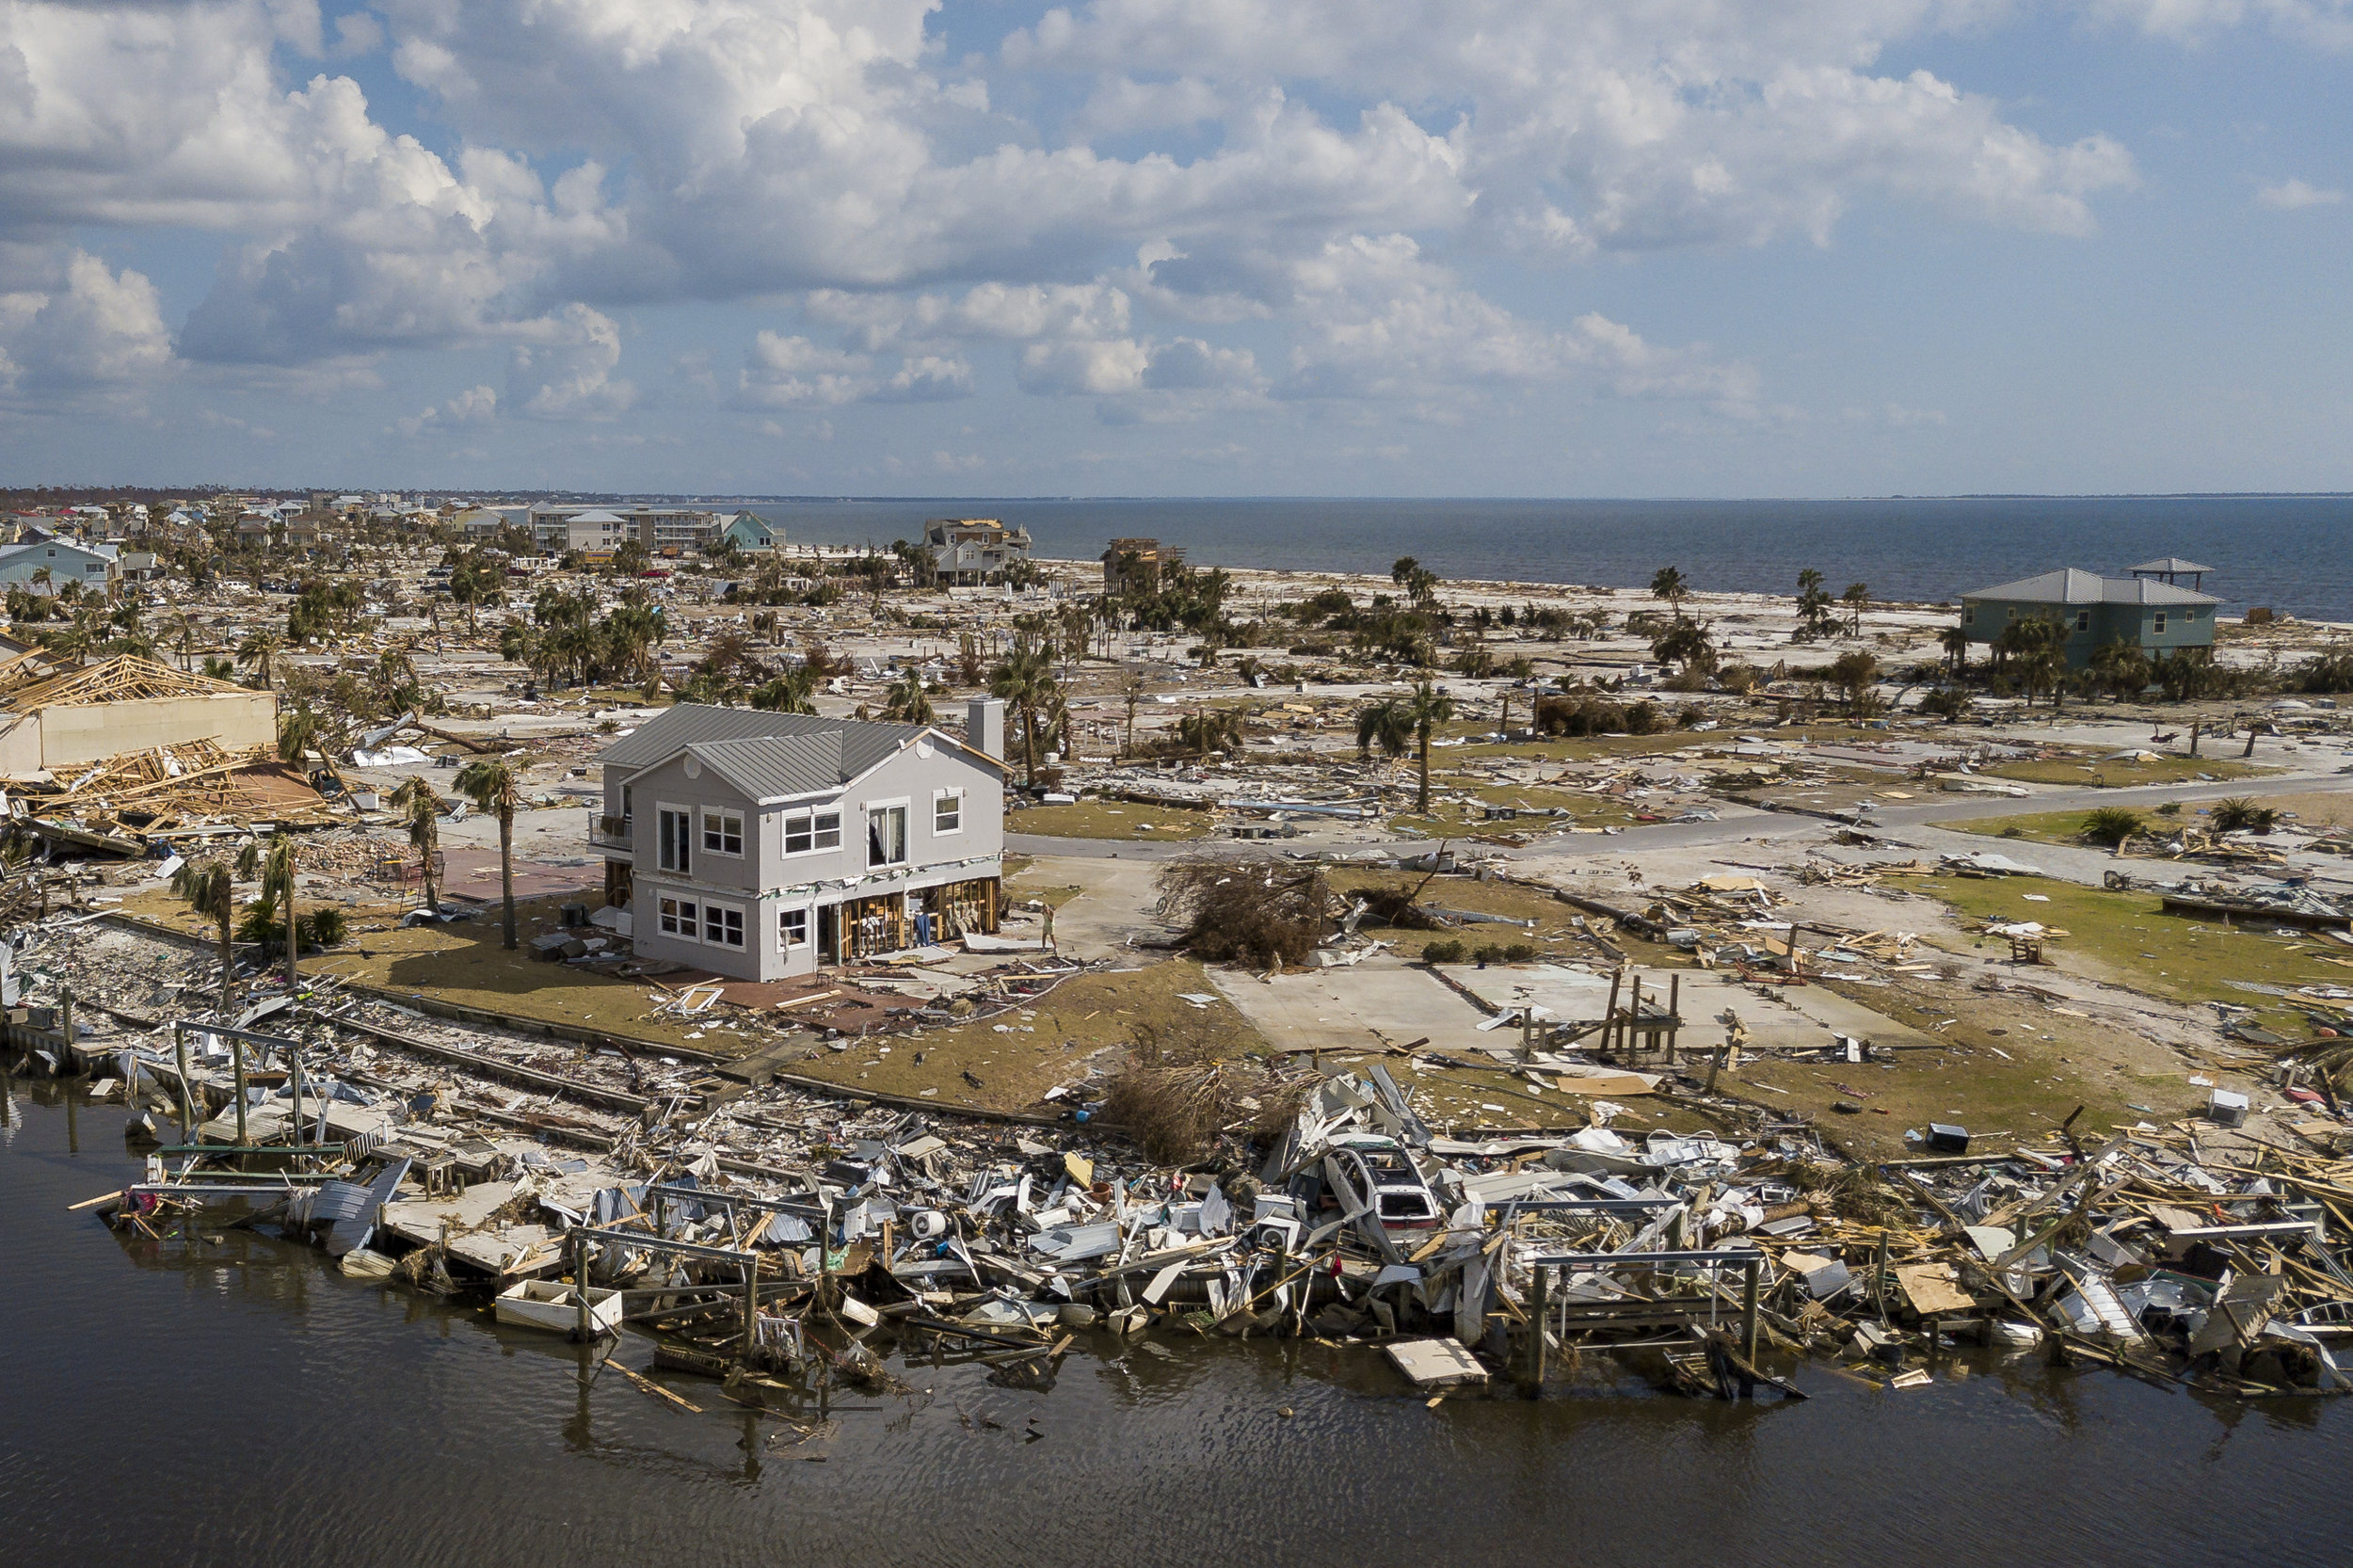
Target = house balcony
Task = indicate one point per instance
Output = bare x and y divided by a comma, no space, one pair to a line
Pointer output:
611,833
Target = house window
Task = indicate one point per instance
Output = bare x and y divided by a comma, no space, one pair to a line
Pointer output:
671,836
723,926
1969,614
792,930
722,831
2083,621
886,835
628,810
2160,625
807,830
947,811
678,918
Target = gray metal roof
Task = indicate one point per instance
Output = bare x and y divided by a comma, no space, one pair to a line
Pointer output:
2171,563
766,755
2069,585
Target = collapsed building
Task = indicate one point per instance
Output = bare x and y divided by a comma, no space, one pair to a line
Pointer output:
56,722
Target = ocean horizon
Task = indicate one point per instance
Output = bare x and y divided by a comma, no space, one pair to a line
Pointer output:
2287,552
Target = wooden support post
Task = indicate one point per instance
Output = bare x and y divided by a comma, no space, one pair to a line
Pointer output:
1716,1064
237,1058
1879,1277
188,1089
1747,1306
1629,1035
585,1330
751,1308
1609,1013
1674,1014
65,1031
294,1060
1538,1302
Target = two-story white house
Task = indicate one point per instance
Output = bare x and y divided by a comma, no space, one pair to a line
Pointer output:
762,845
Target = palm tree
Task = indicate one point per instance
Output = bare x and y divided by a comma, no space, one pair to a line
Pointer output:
1812,600
1955,642
182,629
1025,682
907,701
1426,708
274,867
210,888
1857,599
261,651
1668,582
419,808
493,787
1384,724
793,690
299,732
1132,693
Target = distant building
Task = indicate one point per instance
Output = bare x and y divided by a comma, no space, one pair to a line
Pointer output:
663,530
2154,614
752,533
972,549
1139,562
24,564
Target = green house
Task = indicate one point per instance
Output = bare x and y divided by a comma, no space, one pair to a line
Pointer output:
752,533
2149,609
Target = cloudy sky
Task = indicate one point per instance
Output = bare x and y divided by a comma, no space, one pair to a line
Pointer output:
1179,247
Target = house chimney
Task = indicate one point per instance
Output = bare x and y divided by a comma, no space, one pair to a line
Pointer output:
985,725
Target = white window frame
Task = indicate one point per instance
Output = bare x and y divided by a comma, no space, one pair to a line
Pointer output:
879,810
953,801
684,865
679,918
787,921
723,925
2083,621
2158,629
813,820
714,820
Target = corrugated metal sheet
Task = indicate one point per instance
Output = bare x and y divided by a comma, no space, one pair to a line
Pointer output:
764,755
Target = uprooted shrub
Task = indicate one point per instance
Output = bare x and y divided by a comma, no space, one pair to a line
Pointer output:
1241,913
1396,906
1175,1099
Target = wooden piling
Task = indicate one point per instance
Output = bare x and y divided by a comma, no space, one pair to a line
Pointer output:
751,1308
236,1061
187,1091
586,1330
1674,1014
1748,1305
1538,1300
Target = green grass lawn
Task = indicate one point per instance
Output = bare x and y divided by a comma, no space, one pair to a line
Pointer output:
2050,827
2127,938
1112,819
2087,768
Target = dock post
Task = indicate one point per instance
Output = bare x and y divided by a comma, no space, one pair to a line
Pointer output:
587,1331
1539,1300
65,1033
751,1308
187,1093
294,1060
1674,1014
1747,1306
236,1059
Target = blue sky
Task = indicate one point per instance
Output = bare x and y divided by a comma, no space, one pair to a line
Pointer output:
1179,247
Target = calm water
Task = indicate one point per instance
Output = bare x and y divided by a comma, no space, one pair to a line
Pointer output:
2295,553
234,1402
